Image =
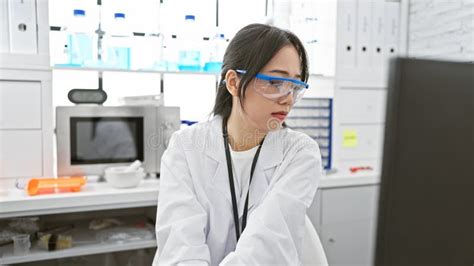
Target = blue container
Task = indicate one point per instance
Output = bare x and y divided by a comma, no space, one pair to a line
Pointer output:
189,55
214,67
189,60
79,41
120,57
80,49
118,43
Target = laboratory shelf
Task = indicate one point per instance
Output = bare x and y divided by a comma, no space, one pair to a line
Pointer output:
100,69
37,254
93,196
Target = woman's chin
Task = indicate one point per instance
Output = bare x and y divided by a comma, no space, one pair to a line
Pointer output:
273,124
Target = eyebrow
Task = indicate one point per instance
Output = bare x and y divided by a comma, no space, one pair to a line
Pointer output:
283,72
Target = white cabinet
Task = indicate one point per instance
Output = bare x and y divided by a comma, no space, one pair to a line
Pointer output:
26,115
363,106
20,104
345,218
368,143
20,153
369,33
26,123
349,243
348,203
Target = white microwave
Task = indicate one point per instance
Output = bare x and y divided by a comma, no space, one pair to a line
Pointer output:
92,138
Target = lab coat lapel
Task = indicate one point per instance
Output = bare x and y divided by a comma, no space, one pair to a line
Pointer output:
214,150
270,157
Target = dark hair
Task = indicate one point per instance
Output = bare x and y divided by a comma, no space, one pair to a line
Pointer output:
251,49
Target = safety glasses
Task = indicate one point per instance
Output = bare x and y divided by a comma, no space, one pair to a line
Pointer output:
277,88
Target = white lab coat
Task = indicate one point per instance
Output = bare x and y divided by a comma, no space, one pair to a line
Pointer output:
195,220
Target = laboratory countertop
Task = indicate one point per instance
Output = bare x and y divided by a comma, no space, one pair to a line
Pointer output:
339,180
101,196
93,196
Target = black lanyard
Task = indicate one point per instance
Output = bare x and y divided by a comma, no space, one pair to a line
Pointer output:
231,182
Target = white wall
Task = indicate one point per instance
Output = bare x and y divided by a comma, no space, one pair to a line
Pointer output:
441,29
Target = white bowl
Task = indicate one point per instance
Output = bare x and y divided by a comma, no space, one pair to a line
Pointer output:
119,178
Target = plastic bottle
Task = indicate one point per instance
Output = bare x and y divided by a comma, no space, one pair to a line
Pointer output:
118,43
141,57
189,54
219,45
80,40
147,52
60,55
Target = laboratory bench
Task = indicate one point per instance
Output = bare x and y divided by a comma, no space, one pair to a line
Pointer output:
94,200
100,199
93,196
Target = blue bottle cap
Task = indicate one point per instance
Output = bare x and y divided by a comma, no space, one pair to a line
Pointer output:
119,15
221,35
190,17
79,12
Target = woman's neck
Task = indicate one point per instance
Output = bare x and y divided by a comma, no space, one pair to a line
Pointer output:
242,135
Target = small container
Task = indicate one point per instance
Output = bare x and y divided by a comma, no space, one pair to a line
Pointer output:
80,40
219,45
37,186
190,53
21,244
118,177
171,53
118,43
50,242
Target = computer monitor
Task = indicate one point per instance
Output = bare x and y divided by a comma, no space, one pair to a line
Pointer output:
426,207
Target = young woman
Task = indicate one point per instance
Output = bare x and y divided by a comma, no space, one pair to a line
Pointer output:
235,189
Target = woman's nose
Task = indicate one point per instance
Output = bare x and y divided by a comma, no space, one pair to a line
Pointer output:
288,99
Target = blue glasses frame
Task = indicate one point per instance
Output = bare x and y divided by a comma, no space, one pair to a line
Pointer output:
268,78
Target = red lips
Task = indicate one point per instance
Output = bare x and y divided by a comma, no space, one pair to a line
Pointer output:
280,115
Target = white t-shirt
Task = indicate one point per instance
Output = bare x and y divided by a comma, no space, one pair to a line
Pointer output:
241,166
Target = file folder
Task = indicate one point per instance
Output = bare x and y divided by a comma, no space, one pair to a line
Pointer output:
378,33
347,33
392,28
364,32
22,26
4,29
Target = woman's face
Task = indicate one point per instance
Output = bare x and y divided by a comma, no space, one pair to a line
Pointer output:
266,114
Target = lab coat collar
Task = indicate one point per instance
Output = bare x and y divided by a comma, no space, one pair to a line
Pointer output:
271,155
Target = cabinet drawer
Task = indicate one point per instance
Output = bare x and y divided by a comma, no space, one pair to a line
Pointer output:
362,106
20,153
349,204
349,243
367,142
20,105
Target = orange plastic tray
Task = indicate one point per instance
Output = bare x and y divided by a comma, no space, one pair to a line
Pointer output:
38,186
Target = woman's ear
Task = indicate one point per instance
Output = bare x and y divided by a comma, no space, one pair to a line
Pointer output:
232,82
